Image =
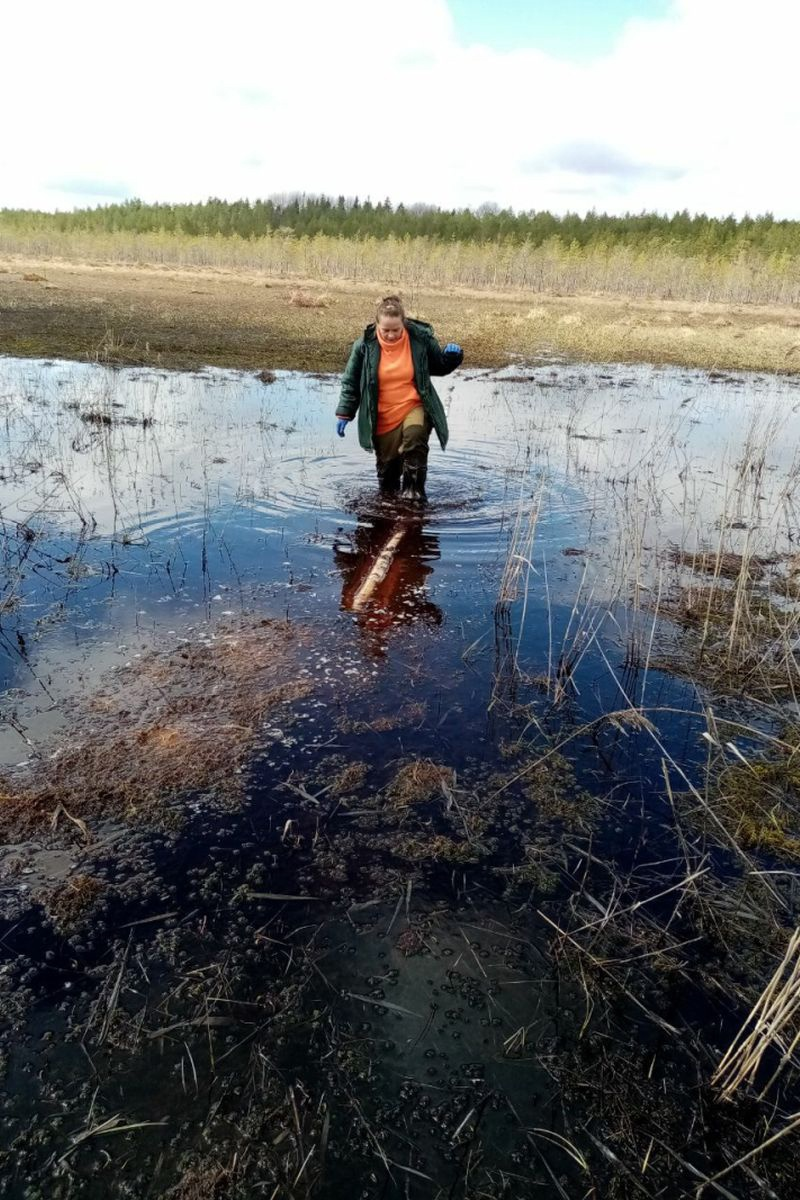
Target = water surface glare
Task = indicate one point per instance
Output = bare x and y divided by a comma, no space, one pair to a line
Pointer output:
137,503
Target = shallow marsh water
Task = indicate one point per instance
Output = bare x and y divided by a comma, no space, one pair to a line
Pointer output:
355,972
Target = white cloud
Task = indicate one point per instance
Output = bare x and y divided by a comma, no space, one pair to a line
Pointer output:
182,101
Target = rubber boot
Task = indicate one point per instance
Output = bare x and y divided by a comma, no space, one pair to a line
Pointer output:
389,474
414,476
415,462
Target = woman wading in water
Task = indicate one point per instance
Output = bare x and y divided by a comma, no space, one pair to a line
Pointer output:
387,380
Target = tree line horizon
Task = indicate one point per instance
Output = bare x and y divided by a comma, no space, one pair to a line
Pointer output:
306,216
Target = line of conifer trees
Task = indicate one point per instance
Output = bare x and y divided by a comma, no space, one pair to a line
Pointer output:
308,215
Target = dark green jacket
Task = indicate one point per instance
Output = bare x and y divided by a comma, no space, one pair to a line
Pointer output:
360,380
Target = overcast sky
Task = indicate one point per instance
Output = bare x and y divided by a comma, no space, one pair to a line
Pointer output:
557,104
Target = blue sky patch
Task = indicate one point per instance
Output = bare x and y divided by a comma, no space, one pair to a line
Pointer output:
576,30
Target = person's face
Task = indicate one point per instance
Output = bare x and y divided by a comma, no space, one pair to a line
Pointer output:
391,328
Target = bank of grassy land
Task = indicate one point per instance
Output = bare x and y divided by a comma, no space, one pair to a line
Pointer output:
289,286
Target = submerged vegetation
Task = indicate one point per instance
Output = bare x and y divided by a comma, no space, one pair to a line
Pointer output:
170,723
490,895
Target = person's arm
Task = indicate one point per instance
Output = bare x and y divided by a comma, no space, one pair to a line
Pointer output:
350,394
442,362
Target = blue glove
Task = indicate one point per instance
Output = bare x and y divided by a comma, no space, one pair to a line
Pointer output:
341,425
452,348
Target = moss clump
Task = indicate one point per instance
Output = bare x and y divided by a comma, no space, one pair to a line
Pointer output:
436,848
760,803
419,781
409,714
534,874
410,942
552,787
173,722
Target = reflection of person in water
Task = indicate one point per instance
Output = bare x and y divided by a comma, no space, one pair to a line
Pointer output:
388,381
385,566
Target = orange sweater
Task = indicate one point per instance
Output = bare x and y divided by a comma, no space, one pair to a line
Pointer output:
397,393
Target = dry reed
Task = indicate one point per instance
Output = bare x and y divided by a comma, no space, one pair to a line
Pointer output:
772,1022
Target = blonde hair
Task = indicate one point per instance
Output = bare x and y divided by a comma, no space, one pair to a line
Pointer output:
390,306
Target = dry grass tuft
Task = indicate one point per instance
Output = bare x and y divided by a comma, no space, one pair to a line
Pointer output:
349,779
70,902
302,299
202,1183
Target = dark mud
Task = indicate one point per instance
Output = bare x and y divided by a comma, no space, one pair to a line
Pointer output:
442,897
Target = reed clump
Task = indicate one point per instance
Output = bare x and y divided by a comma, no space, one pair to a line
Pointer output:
554,264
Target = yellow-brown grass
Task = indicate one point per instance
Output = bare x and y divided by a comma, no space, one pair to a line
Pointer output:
182,317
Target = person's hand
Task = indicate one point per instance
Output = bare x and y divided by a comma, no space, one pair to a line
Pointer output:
452,348
341,425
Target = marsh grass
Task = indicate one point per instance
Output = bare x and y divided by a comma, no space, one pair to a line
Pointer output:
734,638
622,922
714,605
